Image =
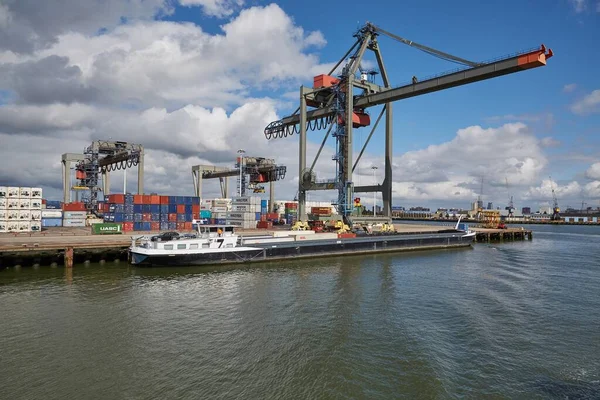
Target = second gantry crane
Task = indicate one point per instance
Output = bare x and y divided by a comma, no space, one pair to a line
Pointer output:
337,100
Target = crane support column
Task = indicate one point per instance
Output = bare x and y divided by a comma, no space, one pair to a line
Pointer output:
271,196
105,182
302,157
140,187
348,148
66,167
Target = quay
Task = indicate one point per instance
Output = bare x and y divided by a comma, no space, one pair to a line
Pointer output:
68,246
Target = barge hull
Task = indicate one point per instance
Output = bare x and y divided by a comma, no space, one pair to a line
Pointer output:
310,249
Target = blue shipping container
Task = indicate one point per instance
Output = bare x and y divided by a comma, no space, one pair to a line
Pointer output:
53,204
147,226
118,217
180,217
138,226
220,221
137,208
257,216
180,200
172,226
196,201
164,226
164,217
189,217
155,217
205,214
172,200
172,208
129,209
164,208
116,208
188,208
127,217
128,199
146,208
263,203
109,217
264,210
155,208
49,222
137,217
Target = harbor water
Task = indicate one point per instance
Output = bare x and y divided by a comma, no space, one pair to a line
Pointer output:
510,320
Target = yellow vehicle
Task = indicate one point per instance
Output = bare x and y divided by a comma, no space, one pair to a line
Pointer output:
300,226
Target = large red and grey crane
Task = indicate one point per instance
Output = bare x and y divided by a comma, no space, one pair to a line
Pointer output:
334,101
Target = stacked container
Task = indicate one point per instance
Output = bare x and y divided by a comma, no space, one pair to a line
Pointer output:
291,213
245,211
219,210
20,209
152,212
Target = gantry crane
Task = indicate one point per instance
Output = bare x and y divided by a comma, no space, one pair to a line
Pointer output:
334,101
103,157
255,172
511,204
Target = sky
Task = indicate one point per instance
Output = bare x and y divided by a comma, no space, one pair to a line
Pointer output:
196,80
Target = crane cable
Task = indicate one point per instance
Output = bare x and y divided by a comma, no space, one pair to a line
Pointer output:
428,50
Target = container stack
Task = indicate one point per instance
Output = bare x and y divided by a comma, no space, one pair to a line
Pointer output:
245,212
152,212
20,209
219,210
264,207
74,215
291,213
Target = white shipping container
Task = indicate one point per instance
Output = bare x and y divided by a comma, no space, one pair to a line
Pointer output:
12,203
221,215
241,216
242,224
241,208
25,192
35,204
12,215
36,193
74,214
292,233
24,215
92,221
13,192
3,203
3,214
3,226
3,192
24,226
218,209
52,214
35,226
36,215
74,222
319,236
274,240
12,226
24,204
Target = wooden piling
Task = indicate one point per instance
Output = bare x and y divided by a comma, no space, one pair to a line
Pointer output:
69,257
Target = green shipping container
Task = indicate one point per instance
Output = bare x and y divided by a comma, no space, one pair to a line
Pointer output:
107,228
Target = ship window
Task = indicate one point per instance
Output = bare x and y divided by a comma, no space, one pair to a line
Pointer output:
193,246
205,245
181,246
168,247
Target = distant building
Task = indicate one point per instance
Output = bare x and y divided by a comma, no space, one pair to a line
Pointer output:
526,210
581,217
490,206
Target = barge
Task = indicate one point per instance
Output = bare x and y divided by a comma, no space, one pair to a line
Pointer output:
220,244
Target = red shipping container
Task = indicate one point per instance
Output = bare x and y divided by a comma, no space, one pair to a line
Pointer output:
138,199
181,226
346,235
75,206
180,208
188,226
154,199
196,215
146,217
172,217
146,199
196,208
164,199
127,226
115,198
43,201
264,225
155,226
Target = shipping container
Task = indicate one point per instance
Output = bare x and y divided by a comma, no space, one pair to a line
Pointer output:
12,203
24,215
242,224
155,208
154,200
172,208
53,205
195,208
3,192
164,200
25,204
172,226
219,209
127,226
74,222
180,226
138,208
220,222
12,226
51,222
35,204
146,217
146,209
52,214
115,199
129,200
3,214
172,217
164,226
107,229
3,203
75,206
36,215
12,192
180,217
74,214
155,217
109,217
180,209
129,209
138,226
147,226
164,208
164,217
146,198
25,192
128,217
116,208
205,214
24,226
119,217
257,216
155,226
138,217
12,215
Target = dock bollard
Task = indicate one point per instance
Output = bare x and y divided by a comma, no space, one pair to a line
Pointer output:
69,257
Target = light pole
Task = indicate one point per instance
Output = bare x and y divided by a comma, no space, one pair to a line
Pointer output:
241,156
374,168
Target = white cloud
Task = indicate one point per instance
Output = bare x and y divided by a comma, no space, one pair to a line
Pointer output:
588,104
543,192
592,190
579,5
593,171
549,142
569,88
216,8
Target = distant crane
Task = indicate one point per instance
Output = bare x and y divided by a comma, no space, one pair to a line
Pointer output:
555,208
511,205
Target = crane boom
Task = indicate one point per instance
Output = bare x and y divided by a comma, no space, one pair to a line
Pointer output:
504,66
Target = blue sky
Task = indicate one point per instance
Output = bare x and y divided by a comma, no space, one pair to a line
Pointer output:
143,70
